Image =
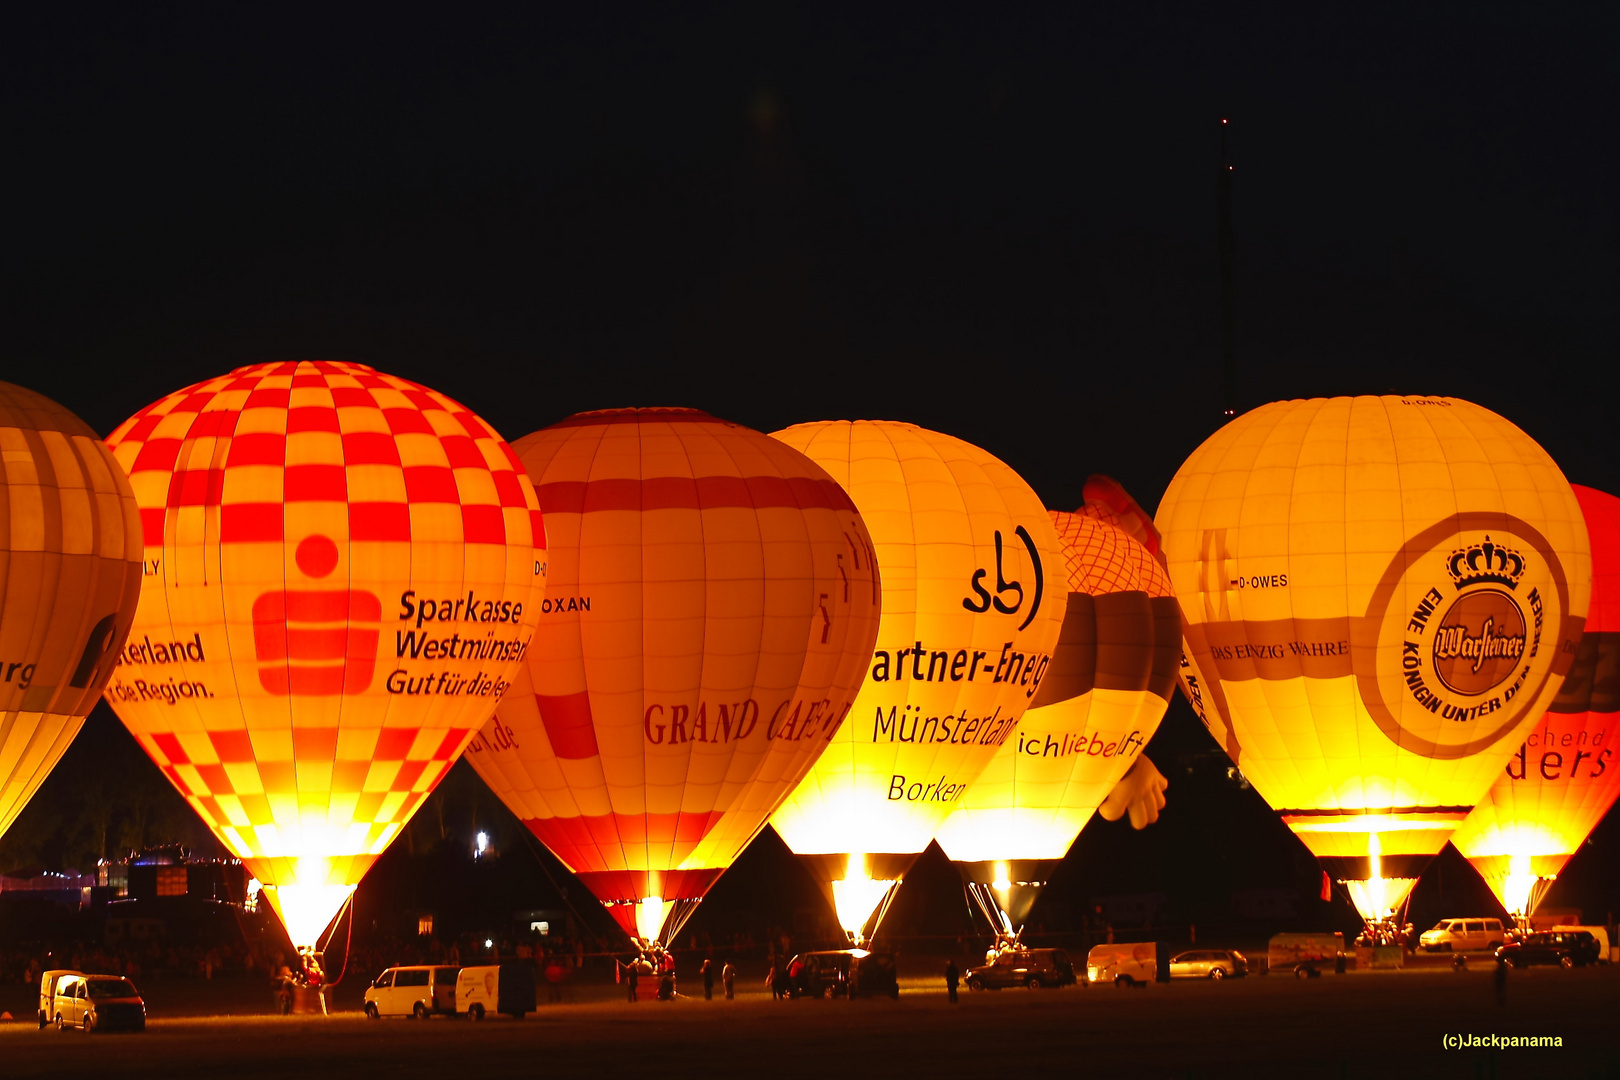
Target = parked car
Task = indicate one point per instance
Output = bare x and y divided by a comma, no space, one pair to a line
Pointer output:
47,992
1033,968
1566,948
849,973
1599,933
1463,935
1304,954
97,1003
1208,964
418,991
495,988
1123,965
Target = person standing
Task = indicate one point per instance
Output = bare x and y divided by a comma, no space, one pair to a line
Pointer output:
708,981
631,974
1501,982
728,979
952,977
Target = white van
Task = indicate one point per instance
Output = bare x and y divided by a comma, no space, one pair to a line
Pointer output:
47,992
1463,935
419,991
1123,965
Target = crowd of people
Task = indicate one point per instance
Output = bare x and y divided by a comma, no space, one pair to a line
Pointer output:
148,960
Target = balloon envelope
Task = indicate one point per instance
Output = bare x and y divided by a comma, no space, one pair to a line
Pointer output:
1380,595
1563,778
712,602
344,571
70,575
972,607
1101,700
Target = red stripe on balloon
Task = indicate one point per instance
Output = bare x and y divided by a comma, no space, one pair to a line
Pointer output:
568,725
687,493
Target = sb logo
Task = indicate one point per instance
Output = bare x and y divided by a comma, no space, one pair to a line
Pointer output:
985,601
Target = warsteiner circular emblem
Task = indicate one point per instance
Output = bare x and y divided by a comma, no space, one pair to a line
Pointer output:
1479,641
1470,620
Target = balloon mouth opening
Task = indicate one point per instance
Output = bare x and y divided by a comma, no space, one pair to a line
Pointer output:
650,917
1522,886
1377,898
858,898
307,910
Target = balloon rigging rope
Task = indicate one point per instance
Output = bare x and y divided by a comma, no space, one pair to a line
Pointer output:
348,938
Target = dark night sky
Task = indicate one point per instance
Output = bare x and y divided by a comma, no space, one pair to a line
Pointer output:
1001,225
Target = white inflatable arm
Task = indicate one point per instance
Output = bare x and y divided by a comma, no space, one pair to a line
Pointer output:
1140,791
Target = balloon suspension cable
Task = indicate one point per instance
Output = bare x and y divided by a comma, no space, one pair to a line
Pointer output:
540,856
861,940
348,938
1007,935
676,920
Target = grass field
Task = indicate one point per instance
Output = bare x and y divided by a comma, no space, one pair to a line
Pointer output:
1360,1025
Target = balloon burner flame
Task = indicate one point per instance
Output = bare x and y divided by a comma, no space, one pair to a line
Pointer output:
857,896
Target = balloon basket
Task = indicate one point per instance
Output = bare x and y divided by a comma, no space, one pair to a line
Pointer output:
309,1001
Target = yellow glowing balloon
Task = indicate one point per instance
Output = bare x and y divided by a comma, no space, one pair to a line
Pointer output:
70,574
343,573
1111,677
972,607
1564,776
1380,595
711,606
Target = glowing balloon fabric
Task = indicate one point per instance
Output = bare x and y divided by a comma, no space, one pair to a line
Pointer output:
1563,778
972,609
1111,677
1380,595
711,608
343,572
70,574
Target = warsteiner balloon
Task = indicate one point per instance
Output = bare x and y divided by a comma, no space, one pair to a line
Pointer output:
1564,776
711,606
1381,595
973,602
70,575
344,570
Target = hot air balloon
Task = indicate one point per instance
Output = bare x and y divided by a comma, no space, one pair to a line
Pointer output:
70,574
1101,700
972,609
1564,777
301,519
1380,595
711,607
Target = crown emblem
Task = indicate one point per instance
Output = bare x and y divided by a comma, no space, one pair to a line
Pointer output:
1486,561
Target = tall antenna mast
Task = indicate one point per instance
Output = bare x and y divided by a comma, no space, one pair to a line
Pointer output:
1227,244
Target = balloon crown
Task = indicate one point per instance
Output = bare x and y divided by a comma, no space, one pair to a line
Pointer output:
1485,561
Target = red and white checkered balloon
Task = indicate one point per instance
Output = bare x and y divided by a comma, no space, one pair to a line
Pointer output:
343,571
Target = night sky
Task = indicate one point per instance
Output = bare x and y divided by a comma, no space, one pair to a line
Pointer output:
997,224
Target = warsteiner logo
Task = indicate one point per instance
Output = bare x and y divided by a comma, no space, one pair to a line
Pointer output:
1479,642
1480,624
1486,562
1480,639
